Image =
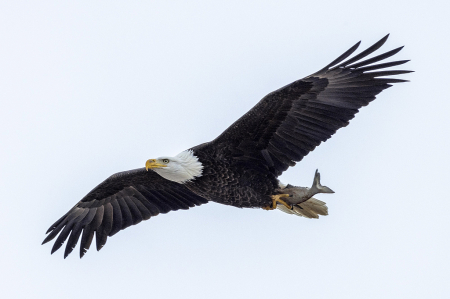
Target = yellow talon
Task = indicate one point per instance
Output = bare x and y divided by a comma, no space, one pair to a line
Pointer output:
276,199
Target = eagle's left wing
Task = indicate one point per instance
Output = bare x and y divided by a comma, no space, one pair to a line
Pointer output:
290,122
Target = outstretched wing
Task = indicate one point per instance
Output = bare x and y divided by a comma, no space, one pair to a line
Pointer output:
290,122
124,199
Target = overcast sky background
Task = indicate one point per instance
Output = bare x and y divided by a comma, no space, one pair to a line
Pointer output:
91,88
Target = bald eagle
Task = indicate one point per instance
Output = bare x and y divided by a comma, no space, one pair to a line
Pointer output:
240,167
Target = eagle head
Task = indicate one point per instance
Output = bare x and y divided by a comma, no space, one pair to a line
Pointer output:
182,168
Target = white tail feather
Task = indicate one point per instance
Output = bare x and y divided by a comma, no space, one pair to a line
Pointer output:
284,209
311,208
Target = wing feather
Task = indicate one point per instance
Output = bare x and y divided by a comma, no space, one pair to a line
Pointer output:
117,217
67,229
151,207
122,200
290,122
365,53
105,227
127,218
86,240
382,65
135,213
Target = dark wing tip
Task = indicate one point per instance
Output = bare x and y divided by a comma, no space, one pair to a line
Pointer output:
82,252
382,65
383,40
344,56
338,62
364,53
55,247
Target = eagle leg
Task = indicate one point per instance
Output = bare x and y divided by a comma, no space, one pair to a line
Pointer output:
277,199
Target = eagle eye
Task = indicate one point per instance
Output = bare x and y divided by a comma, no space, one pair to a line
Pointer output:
165,161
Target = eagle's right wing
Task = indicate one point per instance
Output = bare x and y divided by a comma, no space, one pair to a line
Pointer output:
124,199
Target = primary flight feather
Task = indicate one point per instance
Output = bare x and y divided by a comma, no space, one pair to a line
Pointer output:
240,167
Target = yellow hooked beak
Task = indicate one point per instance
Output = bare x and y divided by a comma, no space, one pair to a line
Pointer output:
151,163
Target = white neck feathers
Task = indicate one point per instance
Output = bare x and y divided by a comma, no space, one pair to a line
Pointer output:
182,168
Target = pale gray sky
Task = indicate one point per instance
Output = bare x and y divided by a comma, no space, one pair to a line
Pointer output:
90,88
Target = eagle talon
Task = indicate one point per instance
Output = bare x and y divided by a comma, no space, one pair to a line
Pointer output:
277,199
